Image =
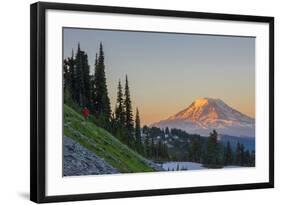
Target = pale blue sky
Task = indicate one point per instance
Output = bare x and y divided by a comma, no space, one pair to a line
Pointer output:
168,71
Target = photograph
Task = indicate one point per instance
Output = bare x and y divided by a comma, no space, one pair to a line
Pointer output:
143,101
134,102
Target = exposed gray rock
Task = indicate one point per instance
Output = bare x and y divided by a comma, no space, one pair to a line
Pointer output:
77,160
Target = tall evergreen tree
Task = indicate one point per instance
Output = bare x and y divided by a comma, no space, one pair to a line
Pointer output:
252,158
86,79
167,131
238,154
242,153
195,150
166,152
138,132
78,78
129,114
100,95
120,109
247,158
159,150
145,130
213,150
147,148
71,64
228,156
152,148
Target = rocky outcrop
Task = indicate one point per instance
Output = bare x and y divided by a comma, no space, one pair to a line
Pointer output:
77,160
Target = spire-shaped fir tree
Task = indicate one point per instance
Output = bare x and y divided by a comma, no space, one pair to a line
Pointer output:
100,95
120,109
82,78
228,155
86,80
138,132
129,114
78,76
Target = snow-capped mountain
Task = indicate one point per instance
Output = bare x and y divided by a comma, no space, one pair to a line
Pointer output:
206,114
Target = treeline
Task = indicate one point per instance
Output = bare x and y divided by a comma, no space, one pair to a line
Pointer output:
195,148
83,89
154,145
213,154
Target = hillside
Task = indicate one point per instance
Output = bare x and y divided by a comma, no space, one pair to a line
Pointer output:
103,144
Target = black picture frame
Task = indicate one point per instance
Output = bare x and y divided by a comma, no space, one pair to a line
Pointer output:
38,101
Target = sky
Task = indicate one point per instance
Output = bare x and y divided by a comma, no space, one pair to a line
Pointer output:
168,71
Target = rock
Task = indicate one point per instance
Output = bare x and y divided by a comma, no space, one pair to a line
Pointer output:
78,160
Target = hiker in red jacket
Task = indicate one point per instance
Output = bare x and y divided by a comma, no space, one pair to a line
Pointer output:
86,112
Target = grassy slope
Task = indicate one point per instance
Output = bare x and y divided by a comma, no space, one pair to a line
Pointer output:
102,143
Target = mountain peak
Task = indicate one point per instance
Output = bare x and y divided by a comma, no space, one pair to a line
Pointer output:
208,113
203,101
203,109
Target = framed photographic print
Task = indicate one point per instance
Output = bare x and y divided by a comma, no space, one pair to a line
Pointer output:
129,102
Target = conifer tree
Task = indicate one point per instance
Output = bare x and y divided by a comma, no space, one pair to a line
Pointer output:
119,116
167,131
238,154
78,77
247,158
71,65
242,153
138,132
129,114
152,148
158,150
195,150
120,109
100,94
166,152
86,79
228,158
252,158
147,147
212,154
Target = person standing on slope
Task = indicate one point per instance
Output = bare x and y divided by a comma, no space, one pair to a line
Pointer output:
86,112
